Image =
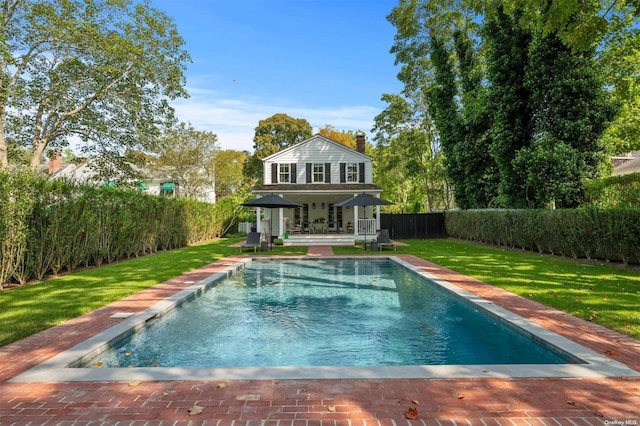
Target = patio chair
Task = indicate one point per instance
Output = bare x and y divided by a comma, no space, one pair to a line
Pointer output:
384,240
253,240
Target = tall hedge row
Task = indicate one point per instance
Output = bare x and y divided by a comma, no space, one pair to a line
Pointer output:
48,226
590,233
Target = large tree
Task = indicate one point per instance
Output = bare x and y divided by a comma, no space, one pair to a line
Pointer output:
346,138
500,114
408,157
507,51
274,134
97,71
228,172
571,110
435,45
188,157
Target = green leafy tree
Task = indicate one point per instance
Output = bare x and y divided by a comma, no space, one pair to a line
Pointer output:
188,157
228,172
621,63
507,50
480,174
434,44
571,110
274,134
97,71
409,161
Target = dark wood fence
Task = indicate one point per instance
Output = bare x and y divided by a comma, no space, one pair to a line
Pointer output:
414,225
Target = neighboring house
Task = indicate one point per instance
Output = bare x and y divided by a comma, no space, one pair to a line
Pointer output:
156,183
626,164
318,173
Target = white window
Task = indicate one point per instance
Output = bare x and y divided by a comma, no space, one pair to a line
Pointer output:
318,173
285,173
352,172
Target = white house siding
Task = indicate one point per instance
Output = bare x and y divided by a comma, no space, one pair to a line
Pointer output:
318,150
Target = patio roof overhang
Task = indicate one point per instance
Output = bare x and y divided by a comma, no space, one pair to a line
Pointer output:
330,193
318,188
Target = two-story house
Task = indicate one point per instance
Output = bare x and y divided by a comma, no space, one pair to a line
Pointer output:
318,173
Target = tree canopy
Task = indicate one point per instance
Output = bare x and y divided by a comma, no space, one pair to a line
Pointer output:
521,92
188,156
100,72
274,134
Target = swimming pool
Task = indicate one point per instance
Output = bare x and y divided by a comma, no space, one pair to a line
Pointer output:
330,312
63,366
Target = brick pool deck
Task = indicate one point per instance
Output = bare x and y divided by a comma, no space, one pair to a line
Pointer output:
484,401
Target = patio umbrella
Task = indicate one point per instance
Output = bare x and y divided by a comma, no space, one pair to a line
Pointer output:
271,201
363,200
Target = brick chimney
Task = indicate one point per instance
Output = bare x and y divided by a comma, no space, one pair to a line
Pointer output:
360,142
55,162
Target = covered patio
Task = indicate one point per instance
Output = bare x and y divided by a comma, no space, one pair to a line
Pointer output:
320,212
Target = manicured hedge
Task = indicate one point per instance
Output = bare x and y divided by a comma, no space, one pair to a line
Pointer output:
48,226
590,233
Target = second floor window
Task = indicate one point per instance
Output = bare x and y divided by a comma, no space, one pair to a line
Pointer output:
352,172
318,173
285,173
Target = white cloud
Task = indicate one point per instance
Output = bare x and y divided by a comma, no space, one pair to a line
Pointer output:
234,121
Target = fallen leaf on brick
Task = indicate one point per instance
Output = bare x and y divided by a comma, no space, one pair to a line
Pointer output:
134,383
570,402
414,401
331,408
461,396
222,385
411,413
196,409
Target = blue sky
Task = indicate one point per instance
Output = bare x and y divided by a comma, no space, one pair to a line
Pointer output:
326,61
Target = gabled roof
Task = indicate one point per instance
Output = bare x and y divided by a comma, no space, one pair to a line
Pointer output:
315,139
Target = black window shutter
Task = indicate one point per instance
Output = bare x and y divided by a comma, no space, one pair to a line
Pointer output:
294,173
343,172
308,173
274,172
327,172
361,172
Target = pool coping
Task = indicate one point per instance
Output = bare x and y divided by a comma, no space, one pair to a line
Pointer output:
57,368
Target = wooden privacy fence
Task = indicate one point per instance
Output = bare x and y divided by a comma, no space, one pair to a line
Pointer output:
414,225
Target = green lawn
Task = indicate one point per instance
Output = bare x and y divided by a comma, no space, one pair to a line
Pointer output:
33,308
608,295
605,294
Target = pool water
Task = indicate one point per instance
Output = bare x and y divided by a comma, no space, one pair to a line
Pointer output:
330,312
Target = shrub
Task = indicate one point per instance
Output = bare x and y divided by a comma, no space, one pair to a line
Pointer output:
590,233
614,191
48,226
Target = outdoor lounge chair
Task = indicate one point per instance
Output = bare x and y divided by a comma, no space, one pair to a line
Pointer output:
384,240
253,240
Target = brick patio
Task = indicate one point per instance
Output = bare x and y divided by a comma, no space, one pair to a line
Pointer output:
489,401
